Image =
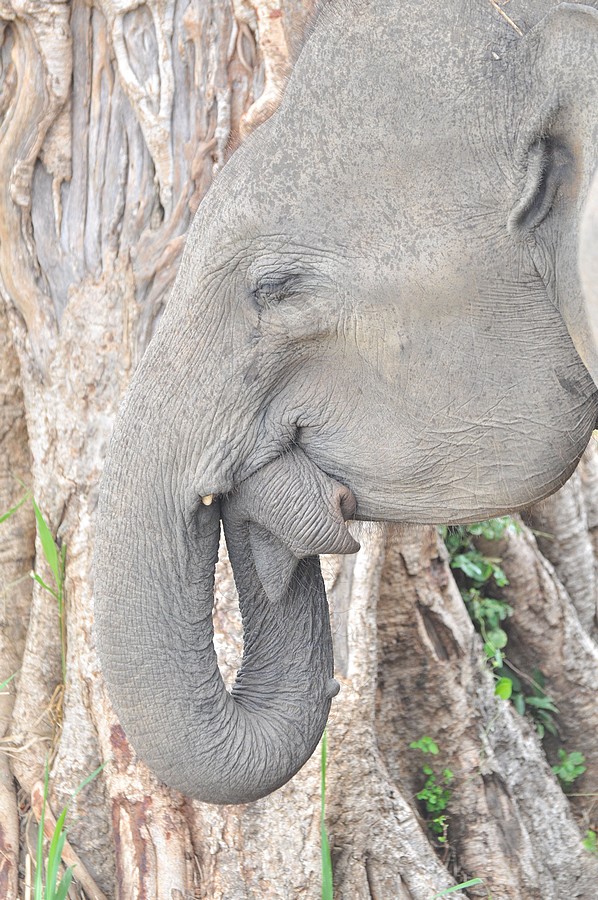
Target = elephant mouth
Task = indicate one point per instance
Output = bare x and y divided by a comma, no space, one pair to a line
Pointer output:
291,510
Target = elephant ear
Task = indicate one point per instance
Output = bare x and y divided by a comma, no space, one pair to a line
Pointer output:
555,154
588,260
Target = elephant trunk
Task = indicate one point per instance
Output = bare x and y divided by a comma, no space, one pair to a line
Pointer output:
154,584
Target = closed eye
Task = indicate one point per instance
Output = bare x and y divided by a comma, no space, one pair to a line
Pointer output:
272,291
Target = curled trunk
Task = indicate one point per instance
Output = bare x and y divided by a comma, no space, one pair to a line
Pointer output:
154,602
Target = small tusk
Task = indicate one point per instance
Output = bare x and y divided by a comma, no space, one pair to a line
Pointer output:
207,500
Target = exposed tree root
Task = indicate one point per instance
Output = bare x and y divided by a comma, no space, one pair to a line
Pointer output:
69,857
16,557
433,681
562,533
545,633
388,854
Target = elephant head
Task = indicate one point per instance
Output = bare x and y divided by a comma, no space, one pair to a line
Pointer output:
376,316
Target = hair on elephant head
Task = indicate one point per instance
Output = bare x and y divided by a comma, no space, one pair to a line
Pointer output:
376,316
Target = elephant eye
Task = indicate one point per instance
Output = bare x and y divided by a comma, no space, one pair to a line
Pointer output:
272,291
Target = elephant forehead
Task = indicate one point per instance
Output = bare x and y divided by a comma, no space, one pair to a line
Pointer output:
403,48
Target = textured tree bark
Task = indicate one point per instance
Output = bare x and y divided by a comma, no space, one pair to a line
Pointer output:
546,633
116,116
506,802
561,524
16,559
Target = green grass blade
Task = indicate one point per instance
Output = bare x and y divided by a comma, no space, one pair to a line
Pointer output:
39,857
48,545
7,681
64,885
14,508
56,848
89,778
458,887
327,885
43,584
55,853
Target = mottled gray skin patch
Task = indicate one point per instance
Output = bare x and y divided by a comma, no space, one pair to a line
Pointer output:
377,316
588,267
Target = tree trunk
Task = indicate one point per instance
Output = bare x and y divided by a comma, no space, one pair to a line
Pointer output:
115,119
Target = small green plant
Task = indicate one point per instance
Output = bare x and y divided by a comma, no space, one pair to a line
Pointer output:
435,794
590,842
504,688
458,887
477,576
426,745
530,698
327,885
56,558
54,889
492,529
569,767
487,613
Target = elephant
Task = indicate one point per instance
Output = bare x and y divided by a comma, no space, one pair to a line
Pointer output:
378,316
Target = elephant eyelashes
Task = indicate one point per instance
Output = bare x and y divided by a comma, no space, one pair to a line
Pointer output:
548,162
272,292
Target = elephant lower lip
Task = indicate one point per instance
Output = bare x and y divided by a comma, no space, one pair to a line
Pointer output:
299,505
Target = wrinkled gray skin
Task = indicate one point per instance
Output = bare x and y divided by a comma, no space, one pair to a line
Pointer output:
379,304
588,266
